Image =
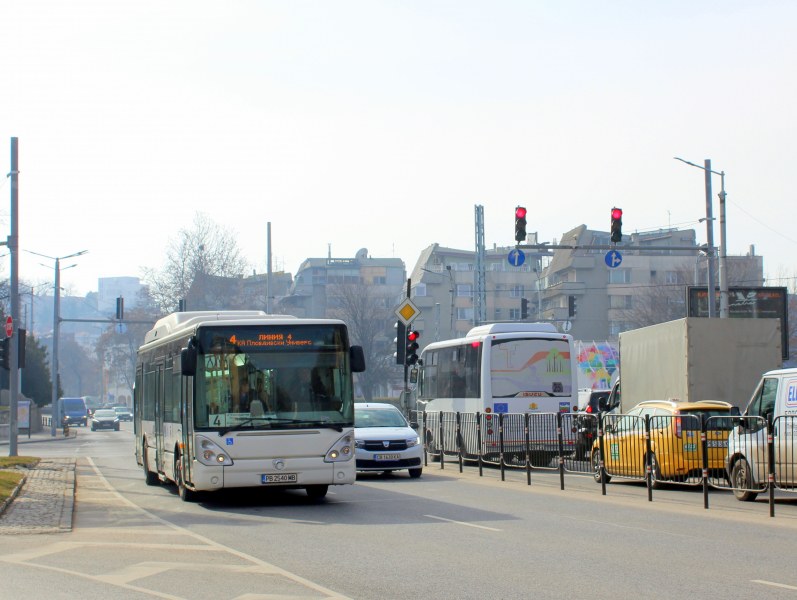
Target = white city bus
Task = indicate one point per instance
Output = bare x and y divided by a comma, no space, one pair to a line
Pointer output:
244,399
503,368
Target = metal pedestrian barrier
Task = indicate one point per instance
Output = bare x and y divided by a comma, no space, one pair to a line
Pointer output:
745,455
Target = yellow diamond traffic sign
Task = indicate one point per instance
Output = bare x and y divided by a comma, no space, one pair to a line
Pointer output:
407,311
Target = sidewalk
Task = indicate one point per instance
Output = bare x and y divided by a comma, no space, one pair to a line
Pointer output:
41,436
45,501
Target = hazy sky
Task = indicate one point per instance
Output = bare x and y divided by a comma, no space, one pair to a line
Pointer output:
381,125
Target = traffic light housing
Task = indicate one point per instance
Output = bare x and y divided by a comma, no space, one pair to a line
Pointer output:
120,308
571,306
412,347
401,344
524,308
520,224
5,352
617,225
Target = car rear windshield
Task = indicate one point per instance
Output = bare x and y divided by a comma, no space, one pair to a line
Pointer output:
716,420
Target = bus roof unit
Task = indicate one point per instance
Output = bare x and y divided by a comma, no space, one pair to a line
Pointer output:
512,328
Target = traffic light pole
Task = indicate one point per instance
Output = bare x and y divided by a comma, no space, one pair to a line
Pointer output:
406,366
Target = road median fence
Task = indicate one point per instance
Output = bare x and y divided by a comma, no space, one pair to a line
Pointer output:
745,455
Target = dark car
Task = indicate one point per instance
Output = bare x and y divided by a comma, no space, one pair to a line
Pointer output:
104,418
585,424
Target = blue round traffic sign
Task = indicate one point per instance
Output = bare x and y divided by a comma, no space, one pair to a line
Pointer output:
516,257
613,259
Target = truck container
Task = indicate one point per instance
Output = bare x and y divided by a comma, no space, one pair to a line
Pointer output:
695,359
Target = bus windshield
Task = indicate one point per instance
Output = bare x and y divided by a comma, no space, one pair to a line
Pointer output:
264,377
529,367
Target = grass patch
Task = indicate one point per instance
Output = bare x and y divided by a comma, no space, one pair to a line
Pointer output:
9,477
8,481
18,461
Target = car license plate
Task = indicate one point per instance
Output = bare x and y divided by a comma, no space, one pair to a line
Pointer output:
387,456
717,443
279,478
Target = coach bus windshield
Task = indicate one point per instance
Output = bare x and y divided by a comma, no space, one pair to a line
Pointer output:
267,377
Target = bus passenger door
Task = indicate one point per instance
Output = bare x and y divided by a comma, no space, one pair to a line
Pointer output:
159,412
187,423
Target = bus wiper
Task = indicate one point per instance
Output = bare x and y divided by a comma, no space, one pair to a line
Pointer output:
311,423
237,426
240,426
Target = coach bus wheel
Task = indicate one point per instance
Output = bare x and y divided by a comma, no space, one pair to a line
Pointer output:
149,477
742,481
186,495
316,492
596,468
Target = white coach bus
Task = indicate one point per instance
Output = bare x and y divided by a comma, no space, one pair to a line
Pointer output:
503,368
236,399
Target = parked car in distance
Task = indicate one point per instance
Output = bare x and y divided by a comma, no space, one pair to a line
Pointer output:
123,413
385,441
104,418
676,450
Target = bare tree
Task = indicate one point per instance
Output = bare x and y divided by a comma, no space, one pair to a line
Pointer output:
118,345
660,301
206,249
367,311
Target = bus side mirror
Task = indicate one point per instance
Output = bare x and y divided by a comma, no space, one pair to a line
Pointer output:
188,356
357,359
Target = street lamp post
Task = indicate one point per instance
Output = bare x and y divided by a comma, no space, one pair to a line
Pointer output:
723,253
56,328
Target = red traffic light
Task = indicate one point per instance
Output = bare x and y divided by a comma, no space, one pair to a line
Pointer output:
413,335
617,213
520,212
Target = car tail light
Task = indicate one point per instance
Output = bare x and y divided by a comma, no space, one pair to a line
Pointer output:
678,426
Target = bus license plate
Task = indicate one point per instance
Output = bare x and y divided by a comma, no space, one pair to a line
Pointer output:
279,478
717,443
387,456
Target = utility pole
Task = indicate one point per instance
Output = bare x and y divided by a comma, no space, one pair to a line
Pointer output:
712,290
268,267
13,247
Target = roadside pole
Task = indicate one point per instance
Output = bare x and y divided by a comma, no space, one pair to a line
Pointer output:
13,248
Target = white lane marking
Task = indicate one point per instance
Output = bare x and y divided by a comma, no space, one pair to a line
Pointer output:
183,531
462,523
773,584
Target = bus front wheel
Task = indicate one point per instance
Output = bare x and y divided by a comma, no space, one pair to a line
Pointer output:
186,495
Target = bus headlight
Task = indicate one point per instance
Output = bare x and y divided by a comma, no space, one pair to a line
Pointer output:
342,450
211,454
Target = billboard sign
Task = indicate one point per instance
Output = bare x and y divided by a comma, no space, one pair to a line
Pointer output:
747,303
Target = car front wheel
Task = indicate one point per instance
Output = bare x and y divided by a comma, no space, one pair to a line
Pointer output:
597,470
742,480
655,473
415,473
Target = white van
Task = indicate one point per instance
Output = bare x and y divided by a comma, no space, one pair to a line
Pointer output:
747,462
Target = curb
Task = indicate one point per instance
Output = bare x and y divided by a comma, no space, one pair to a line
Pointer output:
68,512
7,502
